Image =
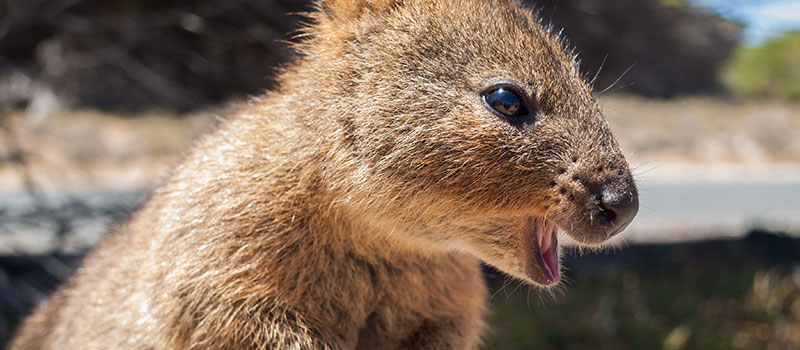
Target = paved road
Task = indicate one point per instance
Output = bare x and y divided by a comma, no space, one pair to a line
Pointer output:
65,222
694,211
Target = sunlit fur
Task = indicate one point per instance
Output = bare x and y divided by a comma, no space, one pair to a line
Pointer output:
349,207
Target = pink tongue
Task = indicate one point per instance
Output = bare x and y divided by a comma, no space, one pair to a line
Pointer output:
548,249
551,264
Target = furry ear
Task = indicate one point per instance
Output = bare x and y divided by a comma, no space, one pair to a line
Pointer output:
354,8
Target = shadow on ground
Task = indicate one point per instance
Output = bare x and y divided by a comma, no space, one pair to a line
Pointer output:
709,295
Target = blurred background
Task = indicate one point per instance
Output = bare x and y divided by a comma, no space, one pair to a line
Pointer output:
99,99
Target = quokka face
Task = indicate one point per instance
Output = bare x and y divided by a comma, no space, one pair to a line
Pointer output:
472,129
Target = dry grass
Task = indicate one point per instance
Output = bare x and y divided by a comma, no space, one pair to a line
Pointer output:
712,295
705,130
92,148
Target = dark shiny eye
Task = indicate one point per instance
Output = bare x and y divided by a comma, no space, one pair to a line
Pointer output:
506,102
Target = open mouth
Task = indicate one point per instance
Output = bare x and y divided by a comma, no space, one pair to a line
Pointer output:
543,261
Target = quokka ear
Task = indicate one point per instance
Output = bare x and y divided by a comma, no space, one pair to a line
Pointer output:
349,9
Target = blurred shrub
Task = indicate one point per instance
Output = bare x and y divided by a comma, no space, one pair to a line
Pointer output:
769,70
658,48
673,3
130,54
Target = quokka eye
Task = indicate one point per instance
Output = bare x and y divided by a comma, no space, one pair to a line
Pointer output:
507,102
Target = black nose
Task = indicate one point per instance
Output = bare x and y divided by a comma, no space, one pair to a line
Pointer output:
617,204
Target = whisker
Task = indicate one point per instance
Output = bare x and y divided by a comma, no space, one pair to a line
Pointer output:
602,64
620,77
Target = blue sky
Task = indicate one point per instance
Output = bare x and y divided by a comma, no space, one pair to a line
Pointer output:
763,19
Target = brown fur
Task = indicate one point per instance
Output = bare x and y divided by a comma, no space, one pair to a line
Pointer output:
349,208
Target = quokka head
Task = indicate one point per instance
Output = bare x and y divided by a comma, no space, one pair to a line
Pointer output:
466,125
